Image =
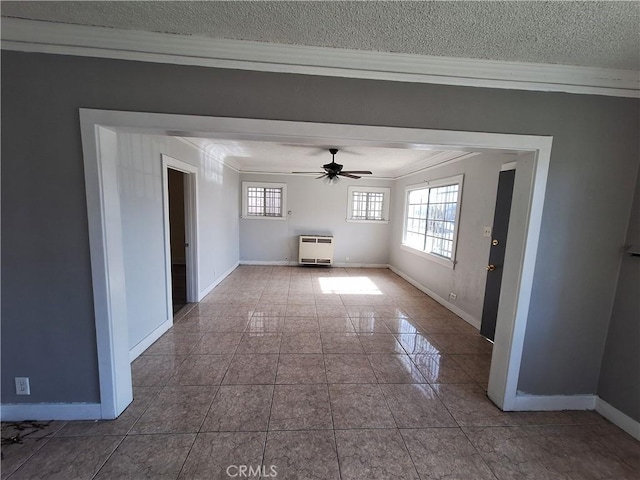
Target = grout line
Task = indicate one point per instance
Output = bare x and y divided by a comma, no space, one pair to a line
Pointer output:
106,459
147,407
273,395
494,473
184,462
48,439
333,426
395,421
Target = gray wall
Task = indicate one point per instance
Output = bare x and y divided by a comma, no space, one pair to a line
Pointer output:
47,310
316,208
620,375
468,278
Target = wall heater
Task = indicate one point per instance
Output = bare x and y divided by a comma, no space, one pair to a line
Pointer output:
315,250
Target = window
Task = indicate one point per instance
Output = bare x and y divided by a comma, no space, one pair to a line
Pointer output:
431,219
368,204
264,200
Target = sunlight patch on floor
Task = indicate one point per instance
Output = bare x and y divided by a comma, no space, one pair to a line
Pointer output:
349,286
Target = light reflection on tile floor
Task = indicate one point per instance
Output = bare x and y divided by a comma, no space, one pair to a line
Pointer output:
325,374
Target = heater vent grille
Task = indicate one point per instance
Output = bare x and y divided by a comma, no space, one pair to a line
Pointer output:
315,250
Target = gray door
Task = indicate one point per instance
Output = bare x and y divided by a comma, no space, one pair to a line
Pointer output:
496,254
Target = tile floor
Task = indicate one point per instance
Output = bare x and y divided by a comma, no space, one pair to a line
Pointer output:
335,373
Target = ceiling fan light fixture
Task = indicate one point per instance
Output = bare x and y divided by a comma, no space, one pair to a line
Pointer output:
333,170
330,180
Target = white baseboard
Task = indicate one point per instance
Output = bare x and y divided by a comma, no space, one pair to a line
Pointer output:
136,351
294,264
470,319
269,262
361,265
50,411
618,418
524,402
206,291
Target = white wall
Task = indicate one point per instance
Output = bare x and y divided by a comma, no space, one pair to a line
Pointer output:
141,202
468,278
316,208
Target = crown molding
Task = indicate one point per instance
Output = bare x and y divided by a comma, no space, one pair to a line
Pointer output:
90,41
437,160
233,165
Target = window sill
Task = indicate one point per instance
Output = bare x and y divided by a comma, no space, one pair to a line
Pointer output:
430,256
351,220
256,217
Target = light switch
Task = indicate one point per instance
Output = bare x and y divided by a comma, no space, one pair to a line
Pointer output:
487,231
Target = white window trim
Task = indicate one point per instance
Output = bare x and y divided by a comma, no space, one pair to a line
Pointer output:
450,263
246,185
385,203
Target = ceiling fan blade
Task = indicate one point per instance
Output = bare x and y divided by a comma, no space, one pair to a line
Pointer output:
346,174
308,172
322,176
359,172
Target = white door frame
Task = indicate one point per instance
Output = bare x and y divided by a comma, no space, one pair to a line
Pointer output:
104,217
191,226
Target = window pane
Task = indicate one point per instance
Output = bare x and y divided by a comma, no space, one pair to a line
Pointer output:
436,212
419,196
273,202
428,245
450,212
359,210
415,240
431,219
374,205
264,201
367,205
255,200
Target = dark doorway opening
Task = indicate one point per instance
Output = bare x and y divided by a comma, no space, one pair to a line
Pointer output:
177,238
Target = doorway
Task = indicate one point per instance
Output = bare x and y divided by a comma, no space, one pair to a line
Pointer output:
99,140
177,239
180,181
495,266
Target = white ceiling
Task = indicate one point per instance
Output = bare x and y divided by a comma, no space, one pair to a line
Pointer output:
257,156
599,34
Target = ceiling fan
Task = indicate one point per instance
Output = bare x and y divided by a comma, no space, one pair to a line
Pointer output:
333,170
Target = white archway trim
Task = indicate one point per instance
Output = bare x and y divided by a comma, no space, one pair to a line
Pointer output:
100,150
98,137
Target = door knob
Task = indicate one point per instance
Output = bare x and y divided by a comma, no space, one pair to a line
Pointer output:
491,268
494,243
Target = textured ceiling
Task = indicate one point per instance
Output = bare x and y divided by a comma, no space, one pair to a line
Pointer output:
601,34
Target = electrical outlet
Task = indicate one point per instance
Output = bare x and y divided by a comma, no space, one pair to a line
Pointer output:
22,386
452,297
487,232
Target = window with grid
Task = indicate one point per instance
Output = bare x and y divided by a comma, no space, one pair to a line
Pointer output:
431,218
263,200
368,204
